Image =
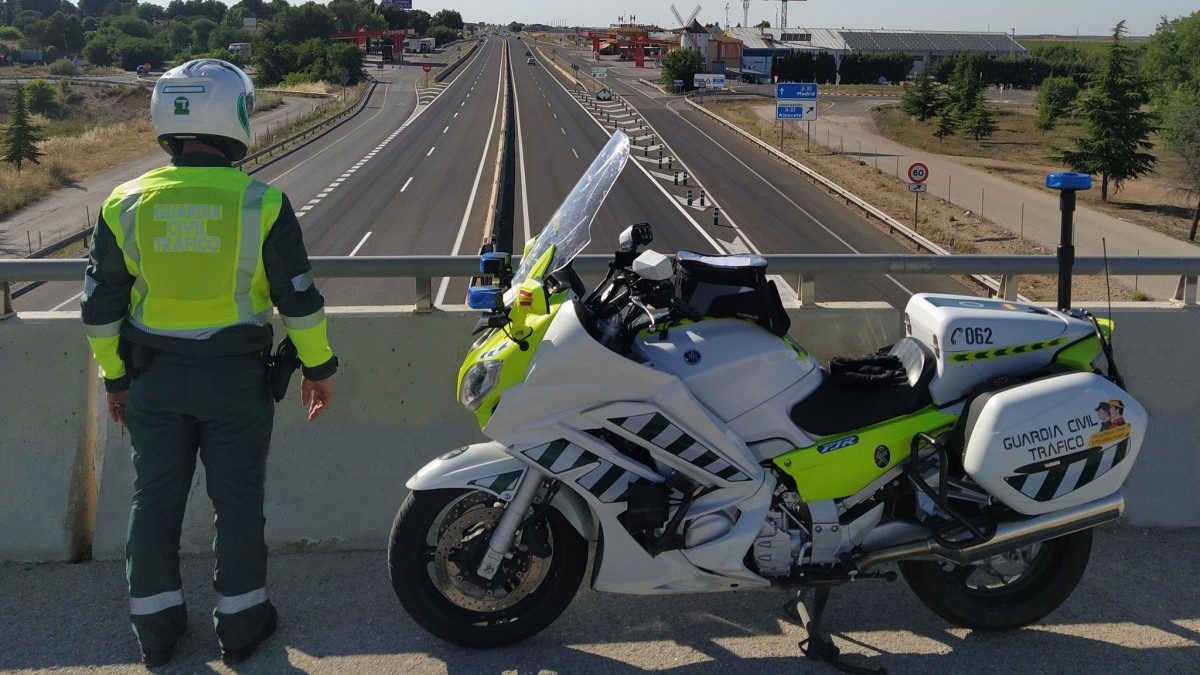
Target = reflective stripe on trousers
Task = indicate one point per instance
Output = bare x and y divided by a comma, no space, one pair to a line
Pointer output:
155,603
227,604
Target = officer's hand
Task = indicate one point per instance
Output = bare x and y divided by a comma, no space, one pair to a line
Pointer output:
316,395
116,407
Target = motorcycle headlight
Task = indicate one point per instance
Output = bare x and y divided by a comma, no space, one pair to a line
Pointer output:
479,381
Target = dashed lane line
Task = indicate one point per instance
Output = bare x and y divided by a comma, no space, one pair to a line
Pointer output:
410,179
360,244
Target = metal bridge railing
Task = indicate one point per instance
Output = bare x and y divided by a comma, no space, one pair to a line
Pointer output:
807,268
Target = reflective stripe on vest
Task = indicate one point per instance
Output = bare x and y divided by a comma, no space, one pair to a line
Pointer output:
192,238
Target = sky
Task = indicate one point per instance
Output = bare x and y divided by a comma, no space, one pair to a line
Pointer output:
1062,17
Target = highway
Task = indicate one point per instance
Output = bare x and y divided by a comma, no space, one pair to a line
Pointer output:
411,174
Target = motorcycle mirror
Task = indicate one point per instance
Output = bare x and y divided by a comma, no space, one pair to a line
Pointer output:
653,266
635,236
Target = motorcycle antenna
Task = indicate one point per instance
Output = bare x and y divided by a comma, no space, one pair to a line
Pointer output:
1106,342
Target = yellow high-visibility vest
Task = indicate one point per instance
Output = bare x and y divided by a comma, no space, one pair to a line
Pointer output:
192,238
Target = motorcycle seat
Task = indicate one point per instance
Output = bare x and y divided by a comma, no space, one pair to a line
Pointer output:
837,407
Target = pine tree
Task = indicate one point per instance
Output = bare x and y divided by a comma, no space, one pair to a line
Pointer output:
1116,130
947,125
979,121
21,137
922,100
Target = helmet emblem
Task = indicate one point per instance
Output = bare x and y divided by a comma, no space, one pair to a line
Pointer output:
181,105
692,357
243,116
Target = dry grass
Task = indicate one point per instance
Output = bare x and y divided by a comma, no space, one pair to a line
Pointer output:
308,88
70,158
267,100
940,221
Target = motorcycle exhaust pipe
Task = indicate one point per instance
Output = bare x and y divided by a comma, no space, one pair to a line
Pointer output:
1008,535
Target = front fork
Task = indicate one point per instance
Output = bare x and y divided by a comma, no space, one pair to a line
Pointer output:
510,521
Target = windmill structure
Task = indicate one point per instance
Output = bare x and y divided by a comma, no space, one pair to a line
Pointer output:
691,17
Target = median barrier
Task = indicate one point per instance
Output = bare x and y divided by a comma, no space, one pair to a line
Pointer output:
452,66
335,484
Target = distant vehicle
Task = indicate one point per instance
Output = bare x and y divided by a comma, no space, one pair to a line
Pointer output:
530,61
240,47
528,53
141,70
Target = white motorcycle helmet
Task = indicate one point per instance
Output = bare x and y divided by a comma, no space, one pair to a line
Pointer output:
208,100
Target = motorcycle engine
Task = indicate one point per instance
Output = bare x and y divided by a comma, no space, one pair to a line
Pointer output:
781,539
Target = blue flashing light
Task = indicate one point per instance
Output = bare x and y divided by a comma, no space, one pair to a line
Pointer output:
485,297
1069,181
490,263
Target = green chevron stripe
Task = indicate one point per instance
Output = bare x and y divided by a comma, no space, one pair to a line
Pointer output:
705,459
681,444
553,452
1122,450
499,483
1054,478
584,459
654,427
1018,482
606,481
965,357
1089,469
728,472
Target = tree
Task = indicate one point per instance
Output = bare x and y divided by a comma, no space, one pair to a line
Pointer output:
301,23
450,18
979,121
966,83
1116,138
682,64
1181,129
1172,57
947,124
922,100
1054,99
442,34
516,27
21,136
763,24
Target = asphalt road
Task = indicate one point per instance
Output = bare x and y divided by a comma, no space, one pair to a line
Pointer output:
1137,610
766,206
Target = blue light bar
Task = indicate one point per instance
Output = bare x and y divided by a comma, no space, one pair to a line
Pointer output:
497,260
1069,181
485,297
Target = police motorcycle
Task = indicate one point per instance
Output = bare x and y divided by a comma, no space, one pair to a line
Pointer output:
667,416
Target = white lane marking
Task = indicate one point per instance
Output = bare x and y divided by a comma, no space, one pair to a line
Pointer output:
306,207
315,200
410,178
300,215
365,123
431,151
555,115
521,155
575,153
462,228
462,104
456,114
69,300
563,130
445,130
360,244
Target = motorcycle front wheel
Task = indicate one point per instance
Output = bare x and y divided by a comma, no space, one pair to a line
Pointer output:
1006,591
437,542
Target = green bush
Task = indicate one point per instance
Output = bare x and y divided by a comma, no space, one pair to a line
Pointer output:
64,68
39,97
10,33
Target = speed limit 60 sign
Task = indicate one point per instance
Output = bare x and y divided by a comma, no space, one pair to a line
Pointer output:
918,173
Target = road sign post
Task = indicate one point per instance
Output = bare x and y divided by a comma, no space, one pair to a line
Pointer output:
918,173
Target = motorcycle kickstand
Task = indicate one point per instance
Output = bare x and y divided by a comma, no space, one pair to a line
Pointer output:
815,646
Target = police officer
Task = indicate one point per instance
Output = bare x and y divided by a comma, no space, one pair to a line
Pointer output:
186,264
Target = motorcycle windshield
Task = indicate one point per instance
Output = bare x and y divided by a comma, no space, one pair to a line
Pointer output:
569,229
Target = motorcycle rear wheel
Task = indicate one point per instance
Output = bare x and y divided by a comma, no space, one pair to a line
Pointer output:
438,539
1007,591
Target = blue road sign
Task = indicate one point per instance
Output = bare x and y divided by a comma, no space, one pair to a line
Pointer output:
796,90
796,101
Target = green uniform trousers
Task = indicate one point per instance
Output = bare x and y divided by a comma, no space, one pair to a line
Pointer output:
220,407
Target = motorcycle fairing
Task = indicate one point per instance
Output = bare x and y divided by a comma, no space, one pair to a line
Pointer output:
490,467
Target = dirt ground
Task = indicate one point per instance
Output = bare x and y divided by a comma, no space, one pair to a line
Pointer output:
944,223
